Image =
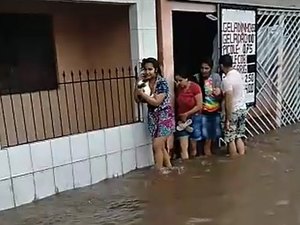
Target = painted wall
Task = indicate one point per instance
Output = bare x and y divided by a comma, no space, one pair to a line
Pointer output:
86,37
79,160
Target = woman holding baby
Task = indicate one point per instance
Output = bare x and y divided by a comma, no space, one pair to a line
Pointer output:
161,121
188,106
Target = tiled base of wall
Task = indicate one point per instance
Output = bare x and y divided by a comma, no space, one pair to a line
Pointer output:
34,171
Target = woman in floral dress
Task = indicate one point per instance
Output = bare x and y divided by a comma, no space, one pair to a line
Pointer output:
161,122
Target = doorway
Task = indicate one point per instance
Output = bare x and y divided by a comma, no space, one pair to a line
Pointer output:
194,38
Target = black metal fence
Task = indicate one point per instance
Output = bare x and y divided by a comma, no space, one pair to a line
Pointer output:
84,101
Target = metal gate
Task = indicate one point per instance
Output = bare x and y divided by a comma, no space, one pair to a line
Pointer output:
278,71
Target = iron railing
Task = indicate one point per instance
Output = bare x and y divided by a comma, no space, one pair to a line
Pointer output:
84,101
278,71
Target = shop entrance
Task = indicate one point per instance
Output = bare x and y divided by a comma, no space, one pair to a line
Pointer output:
194,38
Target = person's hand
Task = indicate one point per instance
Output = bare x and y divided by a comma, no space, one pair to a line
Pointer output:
140,77
183,117
176,83
227,125
216,91
137,82
139,92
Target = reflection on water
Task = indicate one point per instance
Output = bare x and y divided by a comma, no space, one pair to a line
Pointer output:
261,188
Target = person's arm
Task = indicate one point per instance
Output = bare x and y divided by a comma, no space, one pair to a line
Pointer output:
136,95
228,100
153,101
228,105
161,92
218,80
217,86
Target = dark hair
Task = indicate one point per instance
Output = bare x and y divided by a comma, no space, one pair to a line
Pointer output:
154,62
226,60
208,61
201,83
183,72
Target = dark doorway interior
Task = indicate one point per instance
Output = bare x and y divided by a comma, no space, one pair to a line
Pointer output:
193,37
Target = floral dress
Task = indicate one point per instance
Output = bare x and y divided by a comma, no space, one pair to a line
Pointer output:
161,119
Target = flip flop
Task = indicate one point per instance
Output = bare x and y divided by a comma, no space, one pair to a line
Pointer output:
183,126
188,122
179,128
189,129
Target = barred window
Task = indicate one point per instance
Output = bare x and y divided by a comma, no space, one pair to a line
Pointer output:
27,53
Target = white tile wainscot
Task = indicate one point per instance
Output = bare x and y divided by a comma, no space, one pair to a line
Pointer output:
76,161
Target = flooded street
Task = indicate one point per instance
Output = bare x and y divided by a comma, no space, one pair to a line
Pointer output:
262,188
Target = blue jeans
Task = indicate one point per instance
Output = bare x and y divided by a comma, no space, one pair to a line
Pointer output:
196,135
211,126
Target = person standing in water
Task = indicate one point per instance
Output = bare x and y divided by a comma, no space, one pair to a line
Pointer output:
161,122
189,106
235,107
210,84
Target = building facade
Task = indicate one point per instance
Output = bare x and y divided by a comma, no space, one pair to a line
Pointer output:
67,70
67,119
191,30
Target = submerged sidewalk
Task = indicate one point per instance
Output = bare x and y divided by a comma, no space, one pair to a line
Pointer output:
262,188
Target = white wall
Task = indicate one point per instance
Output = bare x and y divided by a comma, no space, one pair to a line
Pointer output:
34,171
143,30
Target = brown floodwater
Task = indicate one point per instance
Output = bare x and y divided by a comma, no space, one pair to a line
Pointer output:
261,188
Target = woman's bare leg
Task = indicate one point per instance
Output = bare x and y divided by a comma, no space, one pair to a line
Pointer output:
184,146
167,161
158,149
170,146
207,147
240,146
193,148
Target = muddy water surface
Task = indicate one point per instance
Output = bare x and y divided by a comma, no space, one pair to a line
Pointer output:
262,188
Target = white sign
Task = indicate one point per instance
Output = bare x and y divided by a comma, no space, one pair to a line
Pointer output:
238,38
